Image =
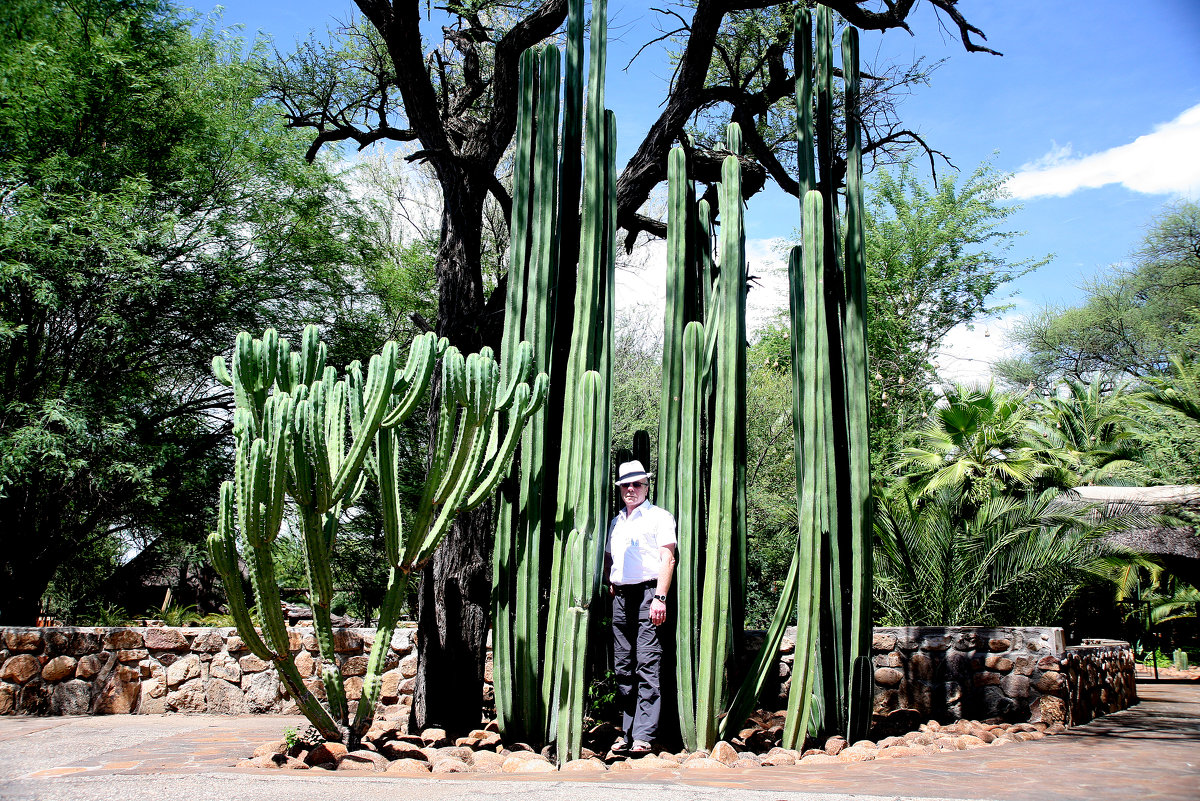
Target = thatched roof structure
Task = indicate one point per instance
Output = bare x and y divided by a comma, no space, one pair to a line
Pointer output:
1174,538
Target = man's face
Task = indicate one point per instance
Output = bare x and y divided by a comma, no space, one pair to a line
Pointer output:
634,494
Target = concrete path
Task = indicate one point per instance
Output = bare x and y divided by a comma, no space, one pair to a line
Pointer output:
1146,753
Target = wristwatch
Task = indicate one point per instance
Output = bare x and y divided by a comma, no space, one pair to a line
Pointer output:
662,598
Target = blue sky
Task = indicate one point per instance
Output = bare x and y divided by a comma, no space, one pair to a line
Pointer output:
1095,107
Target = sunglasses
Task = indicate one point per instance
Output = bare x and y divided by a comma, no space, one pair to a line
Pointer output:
634,485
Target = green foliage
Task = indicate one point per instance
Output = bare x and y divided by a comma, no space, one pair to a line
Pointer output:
1132,319
977,441
1180,391
104,614
175,615
153,206
1088,435
291,737
943,559
935,258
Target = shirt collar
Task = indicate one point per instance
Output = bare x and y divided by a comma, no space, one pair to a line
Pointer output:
641,509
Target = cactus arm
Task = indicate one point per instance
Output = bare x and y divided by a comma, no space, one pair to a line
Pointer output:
308,704
316,453
766,659
222,549
422,359
311,362
245,368
221,372
268,359
539,323
680,231
522,365
389,494
714,642
465,470
443,445
262,564
301,474
380,376
690,523
809,377
492,472
277,425
518,242
807,169
320,583
858,423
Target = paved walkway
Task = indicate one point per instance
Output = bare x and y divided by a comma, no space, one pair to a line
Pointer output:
1149,752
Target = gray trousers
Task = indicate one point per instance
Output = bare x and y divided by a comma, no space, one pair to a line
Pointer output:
637,661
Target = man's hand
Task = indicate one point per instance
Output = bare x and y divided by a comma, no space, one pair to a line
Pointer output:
658,612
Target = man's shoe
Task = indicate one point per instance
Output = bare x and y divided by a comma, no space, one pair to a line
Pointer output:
620,746
640,747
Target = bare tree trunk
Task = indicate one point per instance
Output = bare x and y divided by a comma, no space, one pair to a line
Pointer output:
455,592
452,627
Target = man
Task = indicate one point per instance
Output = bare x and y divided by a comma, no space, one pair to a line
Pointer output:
639,559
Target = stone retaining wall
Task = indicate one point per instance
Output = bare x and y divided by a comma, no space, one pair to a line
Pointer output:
921,673
79,671
967,673
1099,678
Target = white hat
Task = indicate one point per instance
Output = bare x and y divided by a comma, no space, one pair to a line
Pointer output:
629,472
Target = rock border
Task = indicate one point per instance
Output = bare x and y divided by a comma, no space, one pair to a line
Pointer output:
389,750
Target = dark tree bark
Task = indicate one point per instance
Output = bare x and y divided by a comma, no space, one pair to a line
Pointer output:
463,117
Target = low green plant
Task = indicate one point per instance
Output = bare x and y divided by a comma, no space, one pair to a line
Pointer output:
106,614
291,737
176,615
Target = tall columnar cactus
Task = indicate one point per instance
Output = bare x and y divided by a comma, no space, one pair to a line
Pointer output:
303,431
704,390
557,504
831,684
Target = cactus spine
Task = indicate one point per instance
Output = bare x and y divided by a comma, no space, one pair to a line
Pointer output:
302,430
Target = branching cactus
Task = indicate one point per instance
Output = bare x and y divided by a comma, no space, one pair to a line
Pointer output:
303,431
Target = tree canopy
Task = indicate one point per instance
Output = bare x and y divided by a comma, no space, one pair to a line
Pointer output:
151,206
1132,319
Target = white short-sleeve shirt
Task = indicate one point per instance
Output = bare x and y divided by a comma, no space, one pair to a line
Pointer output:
634,541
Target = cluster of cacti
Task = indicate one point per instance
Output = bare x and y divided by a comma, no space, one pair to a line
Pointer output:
304,431
703,427
832,676
556,502
702,436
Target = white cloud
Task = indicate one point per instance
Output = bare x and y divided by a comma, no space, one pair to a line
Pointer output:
1165,162
968,353
642,281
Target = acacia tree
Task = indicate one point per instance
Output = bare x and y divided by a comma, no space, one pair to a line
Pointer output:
1131,321
150,208
457,102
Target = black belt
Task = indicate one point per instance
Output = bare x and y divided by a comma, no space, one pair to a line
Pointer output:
642,585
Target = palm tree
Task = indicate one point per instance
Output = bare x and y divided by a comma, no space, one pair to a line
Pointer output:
1086,434
1180,392
1015,560
977,441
